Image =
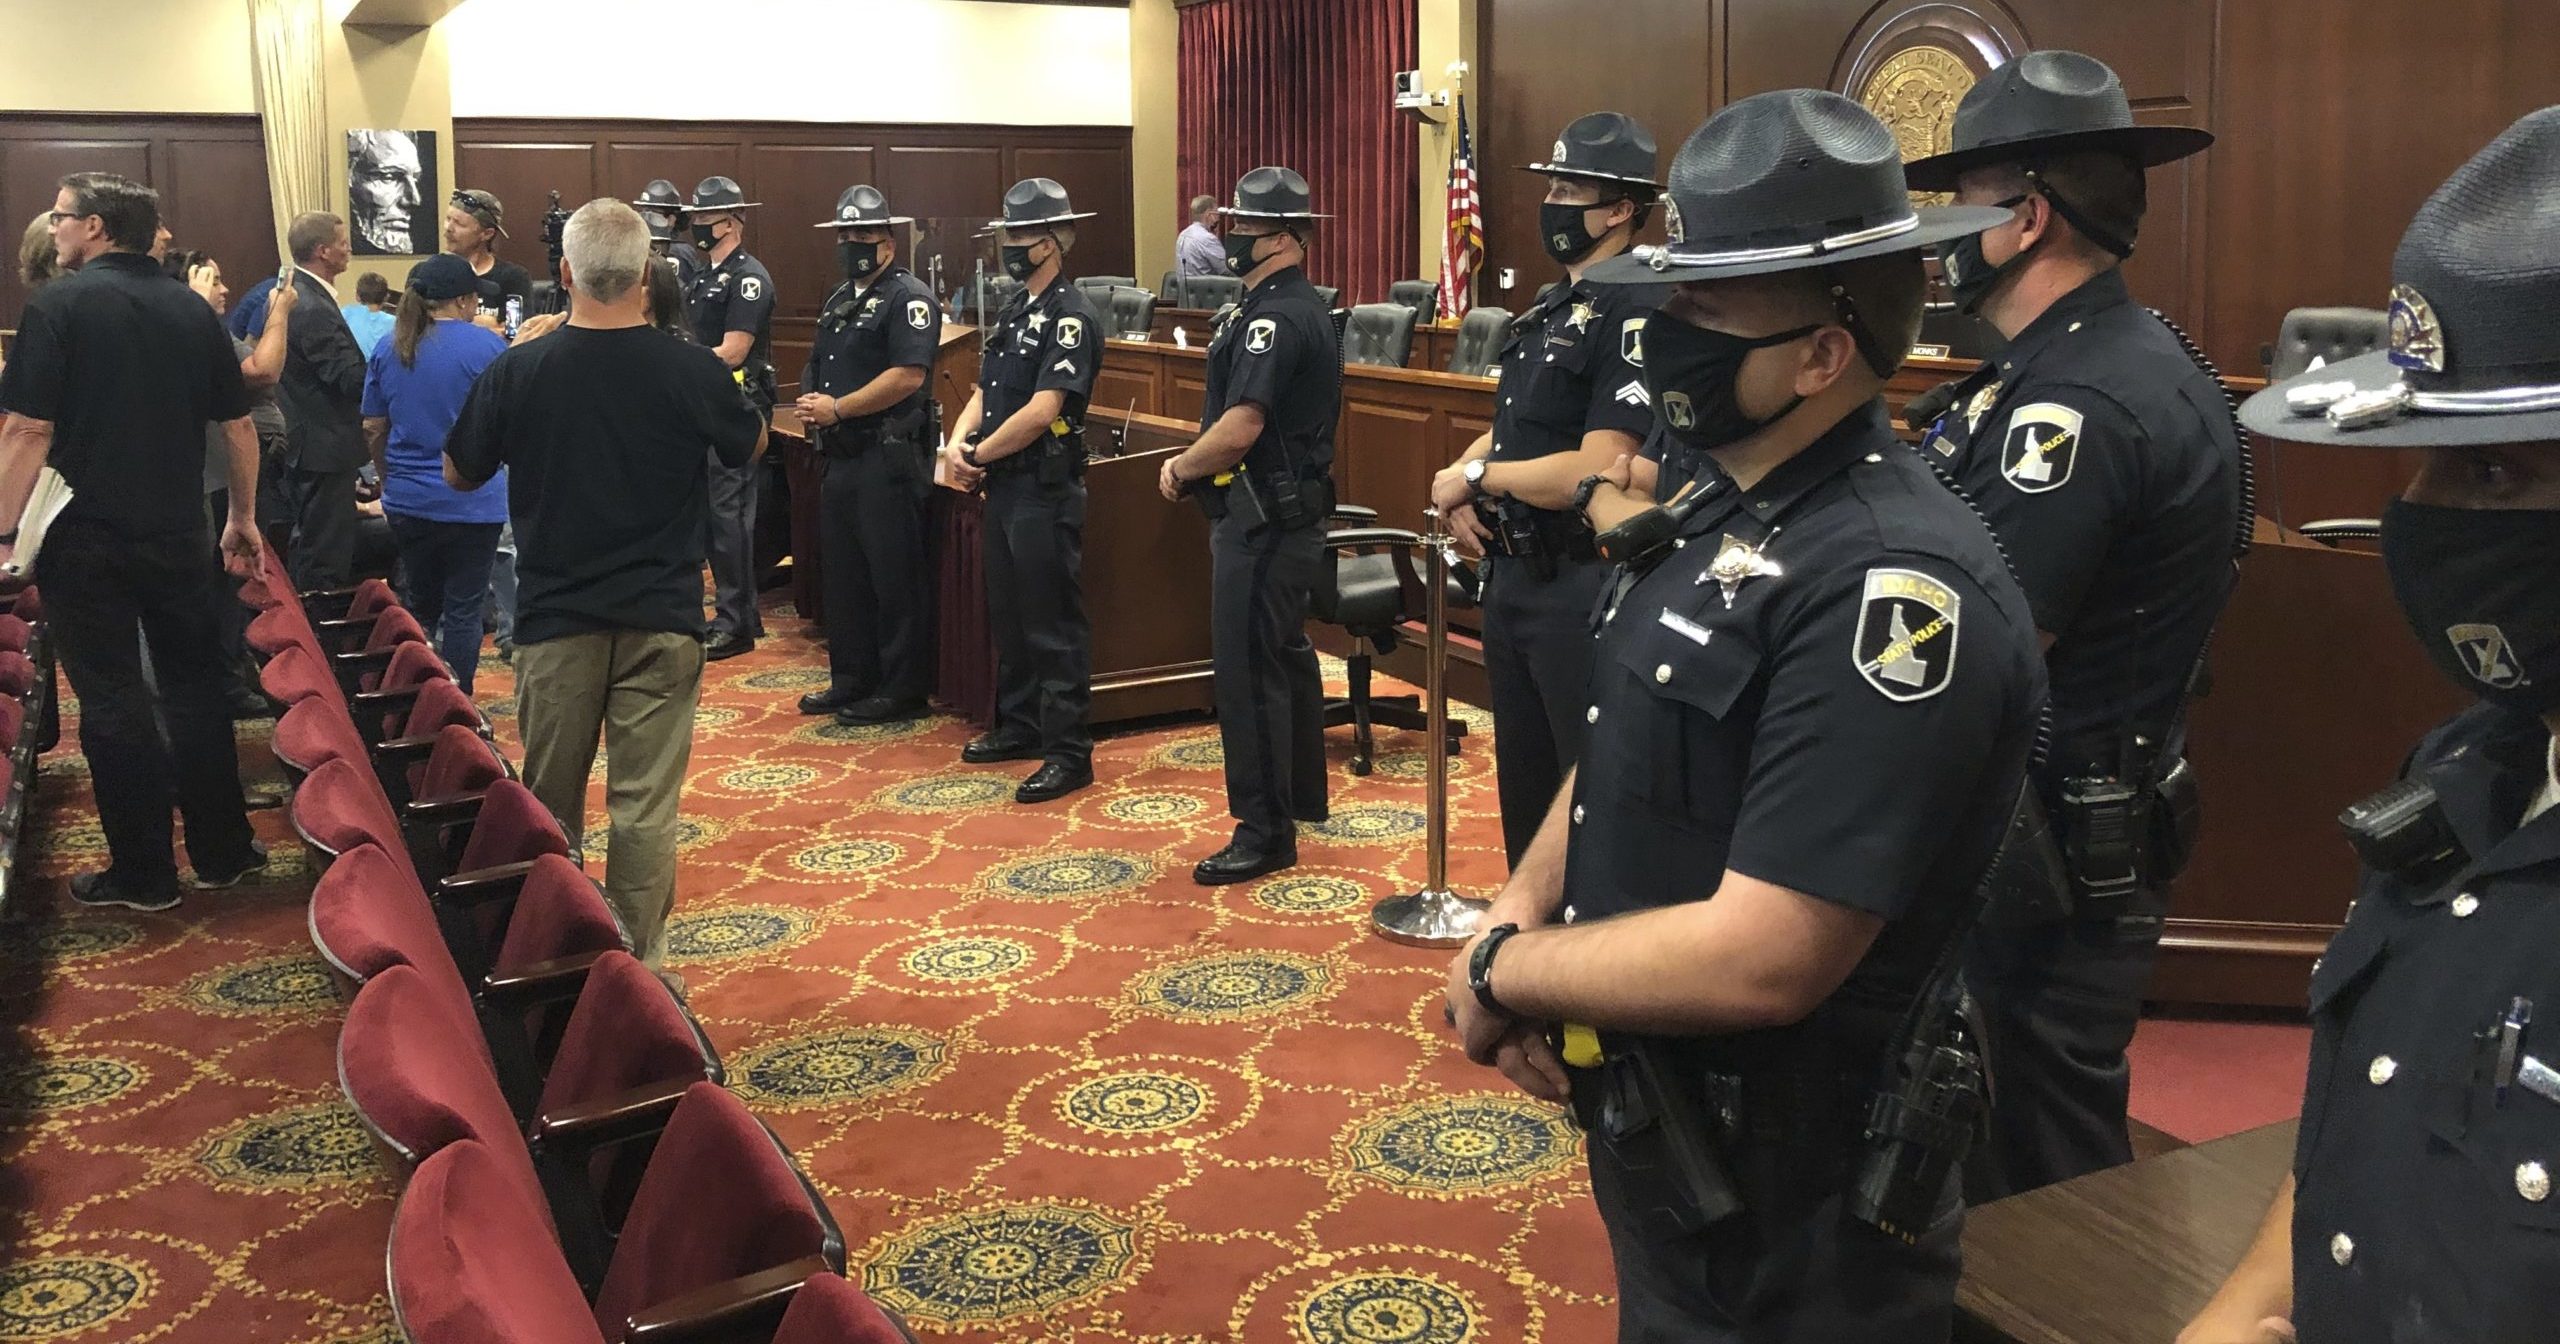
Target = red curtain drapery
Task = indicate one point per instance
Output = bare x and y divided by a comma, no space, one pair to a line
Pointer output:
1309,84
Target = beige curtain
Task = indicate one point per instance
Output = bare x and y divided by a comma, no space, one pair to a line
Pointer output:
302,166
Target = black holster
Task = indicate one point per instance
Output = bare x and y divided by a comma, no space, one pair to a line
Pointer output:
1920,1125
1667,1129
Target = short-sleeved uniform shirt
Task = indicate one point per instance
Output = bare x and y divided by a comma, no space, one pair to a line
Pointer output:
602,433
2427,1204
1047,342
2107,462
129,366
864,333
1573,363
1853,724
422,400
1279,352
735,295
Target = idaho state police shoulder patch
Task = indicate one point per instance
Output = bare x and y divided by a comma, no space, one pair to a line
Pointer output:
1259,336
1631,342
750,288
919,314
2040,446
1906,641
1070,332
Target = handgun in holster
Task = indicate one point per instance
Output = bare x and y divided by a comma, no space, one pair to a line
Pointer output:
1920,1126
1515,535
1061,453
1656,1124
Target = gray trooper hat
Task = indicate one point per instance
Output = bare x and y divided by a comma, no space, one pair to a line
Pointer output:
1604,147
1034,202
863,207
1272,193
715,194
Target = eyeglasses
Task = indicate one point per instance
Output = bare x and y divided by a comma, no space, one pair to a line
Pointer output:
58,216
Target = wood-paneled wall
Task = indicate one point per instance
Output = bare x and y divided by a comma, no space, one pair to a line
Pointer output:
210,171
2333,127
797,170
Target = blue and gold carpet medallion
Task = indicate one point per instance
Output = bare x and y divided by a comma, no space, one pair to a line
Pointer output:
1000,1263
822,1068
965,959
783,679
1368,822
955,792
294,984
1460,1146
844,858
1205,752
1232,986
1310,894
735,931
830,731
50,1086
503,707
1154,809
323,1144
1134,1103
772,777
1065,876
715,719
52,1297
1388,1309
82,939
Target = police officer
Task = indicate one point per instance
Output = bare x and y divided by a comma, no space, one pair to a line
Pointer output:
871,419
2421,1208
2104,456
662,207
1813,700
732,302
1571,403
1265,460
1022,438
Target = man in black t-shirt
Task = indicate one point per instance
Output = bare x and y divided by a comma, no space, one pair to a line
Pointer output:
603,424
474,221
113,377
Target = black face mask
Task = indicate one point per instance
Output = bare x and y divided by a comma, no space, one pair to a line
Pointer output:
1564,230
705,237
2481,587
858,259
1018,262
1970,275
1240,249
1690,371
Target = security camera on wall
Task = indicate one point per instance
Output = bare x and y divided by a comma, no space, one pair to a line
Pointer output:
1417,102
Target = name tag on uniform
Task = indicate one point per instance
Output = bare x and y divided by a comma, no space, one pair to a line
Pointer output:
1684,627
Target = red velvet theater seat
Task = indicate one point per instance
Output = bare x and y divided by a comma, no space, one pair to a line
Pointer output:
381,711
462,762
828,1309
627,1034
559,913
297,673
413,1065
512,827
438,704
281,627
473,1262
362,670
17,675
340,806
29,606
368,915
312,732
15,633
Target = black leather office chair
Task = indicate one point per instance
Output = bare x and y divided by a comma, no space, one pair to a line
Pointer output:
1331,295
1169,291
1127,311
1370,586
1479,342
2330,334
1099,285
1379,333
1211,292
1422,296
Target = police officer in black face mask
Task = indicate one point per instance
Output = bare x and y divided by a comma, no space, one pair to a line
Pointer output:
1815,692
732,303
2421,1208
662,208
1021,437
1571,403
870,418
2104,456
1265,459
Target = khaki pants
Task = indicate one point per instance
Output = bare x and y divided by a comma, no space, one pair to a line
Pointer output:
637,688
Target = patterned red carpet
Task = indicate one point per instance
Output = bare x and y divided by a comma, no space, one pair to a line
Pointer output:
1053,1090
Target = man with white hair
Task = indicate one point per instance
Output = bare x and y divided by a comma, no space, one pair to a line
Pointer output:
602,422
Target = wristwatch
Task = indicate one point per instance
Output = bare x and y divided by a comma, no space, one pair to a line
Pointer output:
969,454
1582,492
1480,966
1474,472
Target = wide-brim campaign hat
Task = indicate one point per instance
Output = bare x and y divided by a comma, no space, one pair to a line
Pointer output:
2044,103
1033,202
1604,147
714,194
2474,356
864,207
660,194
1785,181
1272,193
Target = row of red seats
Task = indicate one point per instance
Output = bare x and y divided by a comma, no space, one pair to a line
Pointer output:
27,726
576,1173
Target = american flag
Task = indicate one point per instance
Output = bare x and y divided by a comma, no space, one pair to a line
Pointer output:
1465,248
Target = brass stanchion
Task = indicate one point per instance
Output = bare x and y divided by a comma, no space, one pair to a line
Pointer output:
1434,916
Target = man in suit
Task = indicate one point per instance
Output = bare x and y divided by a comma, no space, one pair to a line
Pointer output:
323,393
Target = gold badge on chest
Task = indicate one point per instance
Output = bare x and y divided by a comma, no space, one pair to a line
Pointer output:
1980,406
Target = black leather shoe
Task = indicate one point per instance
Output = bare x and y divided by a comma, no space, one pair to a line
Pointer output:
728,647
990,748
1236,863
880,709
1055,779
827,701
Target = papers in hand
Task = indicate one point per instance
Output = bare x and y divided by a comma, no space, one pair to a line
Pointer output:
45,503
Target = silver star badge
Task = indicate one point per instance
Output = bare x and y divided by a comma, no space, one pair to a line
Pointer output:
1737,562
1039,320
1582,315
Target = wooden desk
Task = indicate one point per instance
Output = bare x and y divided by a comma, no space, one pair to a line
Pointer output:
1433,342
2124,1256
